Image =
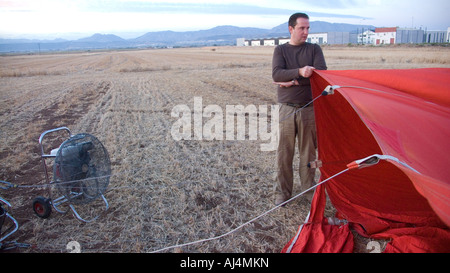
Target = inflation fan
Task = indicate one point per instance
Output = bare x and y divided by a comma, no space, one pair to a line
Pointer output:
81,173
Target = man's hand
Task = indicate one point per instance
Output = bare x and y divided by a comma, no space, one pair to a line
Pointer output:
286,84
306,71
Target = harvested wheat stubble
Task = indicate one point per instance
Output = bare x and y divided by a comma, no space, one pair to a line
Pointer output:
163,192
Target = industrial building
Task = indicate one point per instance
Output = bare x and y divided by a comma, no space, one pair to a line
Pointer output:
436,37
410,36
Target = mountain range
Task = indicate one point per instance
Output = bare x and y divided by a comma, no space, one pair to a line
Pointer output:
220,35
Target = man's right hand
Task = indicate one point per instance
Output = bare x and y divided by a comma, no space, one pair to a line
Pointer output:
306,71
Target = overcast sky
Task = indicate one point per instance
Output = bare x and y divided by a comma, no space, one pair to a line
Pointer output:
131,18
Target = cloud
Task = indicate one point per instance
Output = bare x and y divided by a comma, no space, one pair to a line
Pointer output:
198,8
335,4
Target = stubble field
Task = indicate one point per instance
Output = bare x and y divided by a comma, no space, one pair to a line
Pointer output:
163,192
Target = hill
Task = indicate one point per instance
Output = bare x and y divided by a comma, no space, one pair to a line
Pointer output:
102,38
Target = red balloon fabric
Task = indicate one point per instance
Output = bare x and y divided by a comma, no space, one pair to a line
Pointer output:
399,122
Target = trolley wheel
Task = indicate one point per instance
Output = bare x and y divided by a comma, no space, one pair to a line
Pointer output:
42,207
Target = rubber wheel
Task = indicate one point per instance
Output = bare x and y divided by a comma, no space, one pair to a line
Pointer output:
42,207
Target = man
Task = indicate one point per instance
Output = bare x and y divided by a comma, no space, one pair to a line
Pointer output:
292,66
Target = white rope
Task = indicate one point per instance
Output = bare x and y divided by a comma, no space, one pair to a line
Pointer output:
372,89
303,107
359,87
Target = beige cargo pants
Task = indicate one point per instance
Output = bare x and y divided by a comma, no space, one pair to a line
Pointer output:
300,126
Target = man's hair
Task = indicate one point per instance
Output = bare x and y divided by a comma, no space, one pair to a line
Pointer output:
295,16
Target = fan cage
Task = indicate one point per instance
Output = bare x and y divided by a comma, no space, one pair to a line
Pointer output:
82,169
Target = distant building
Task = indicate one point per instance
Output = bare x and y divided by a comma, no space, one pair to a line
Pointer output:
318,38
270,42
385,36
256,42
448,35
435,37
264,42
340,38
410,36
330,38
367,37
283,41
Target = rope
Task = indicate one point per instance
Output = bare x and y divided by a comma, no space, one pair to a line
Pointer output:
334,87
301,108
359,87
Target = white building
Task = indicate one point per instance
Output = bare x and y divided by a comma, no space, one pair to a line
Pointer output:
269,42
366,37
263,42
318,38
255,43
384,36
286,40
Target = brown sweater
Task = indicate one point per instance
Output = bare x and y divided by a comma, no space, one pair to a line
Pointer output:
287,59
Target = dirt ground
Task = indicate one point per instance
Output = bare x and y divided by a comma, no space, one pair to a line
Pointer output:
163,192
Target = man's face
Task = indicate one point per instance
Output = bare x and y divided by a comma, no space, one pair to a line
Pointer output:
299,34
